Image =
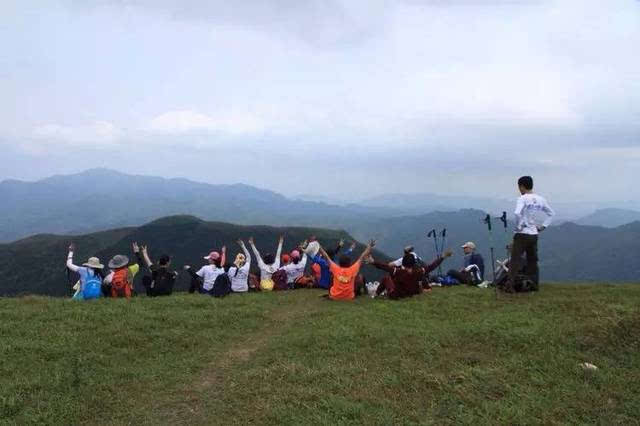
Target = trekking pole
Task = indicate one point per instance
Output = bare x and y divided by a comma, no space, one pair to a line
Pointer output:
442,244
487,220
503,219
434,234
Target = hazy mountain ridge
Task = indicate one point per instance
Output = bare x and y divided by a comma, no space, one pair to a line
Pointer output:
610,218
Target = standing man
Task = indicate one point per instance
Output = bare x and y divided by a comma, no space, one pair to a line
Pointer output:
525,240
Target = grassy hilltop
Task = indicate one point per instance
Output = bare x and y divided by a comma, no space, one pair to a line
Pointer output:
457,355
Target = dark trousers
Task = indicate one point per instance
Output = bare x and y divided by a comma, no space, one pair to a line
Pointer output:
463,277
527,245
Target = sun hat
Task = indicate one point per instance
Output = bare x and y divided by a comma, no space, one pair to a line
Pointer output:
470,245
94,263
295,254
214,255
118,261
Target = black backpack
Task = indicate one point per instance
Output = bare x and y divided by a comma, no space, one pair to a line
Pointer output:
163,283
221,286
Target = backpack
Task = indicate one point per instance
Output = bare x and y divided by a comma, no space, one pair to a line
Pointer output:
163,283
279,279
221,286
120,286
92,287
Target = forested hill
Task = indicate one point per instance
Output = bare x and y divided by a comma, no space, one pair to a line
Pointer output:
36,265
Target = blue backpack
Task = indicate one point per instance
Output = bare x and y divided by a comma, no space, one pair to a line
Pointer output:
92,287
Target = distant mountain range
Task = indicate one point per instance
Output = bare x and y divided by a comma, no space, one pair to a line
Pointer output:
36,265
101,199
610,218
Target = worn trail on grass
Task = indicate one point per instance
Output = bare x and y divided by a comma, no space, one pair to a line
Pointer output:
189,408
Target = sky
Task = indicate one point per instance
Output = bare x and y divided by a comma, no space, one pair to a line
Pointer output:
345,99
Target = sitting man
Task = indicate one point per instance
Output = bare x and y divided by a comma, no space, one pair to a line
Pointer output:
472,272
345,274
162,278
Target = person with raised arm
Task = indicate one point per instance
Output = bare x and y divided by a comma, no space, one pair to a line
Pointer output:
208,273
91,276
122,274
239,271
162,278
404,281
344,273
269,265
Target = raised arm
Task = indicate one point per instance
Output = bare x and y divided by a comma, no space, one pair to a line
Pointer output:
223,258
256,252
433,265
247,255
145,256
70,264
367,250
279,251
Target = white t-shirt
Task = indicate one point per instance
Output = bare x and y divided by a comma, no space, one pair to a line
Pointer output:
295,271
209,273
527,208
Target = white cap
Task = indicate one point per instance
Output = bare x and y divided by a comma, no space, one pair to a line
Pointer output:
469,244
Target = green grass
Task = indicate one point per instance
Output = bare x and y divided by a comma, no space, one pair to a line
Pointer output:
454,356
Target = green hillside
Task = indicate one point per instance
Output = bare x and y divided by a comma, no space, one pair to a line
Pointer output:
455,356
36,265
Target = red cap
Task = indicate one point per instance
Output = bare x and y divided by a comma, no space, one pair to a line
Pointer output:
285,258
214,255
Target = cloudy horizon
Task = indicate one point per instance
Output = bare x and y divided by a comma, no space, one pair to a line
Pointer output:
338,98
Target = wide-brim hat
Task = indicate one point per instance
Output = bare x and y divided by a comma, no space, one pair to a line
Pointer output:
93,262
118,261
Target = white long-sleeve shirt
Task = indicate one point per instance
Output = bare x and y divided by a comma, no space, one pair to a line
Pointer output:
266,271
239,276
295,270
527,208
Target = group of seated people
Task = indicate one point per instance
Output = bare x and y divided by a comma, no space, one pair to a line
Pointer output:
333,270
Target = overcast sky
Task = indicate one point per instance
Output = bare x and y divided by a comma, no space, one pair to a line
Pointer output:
348,98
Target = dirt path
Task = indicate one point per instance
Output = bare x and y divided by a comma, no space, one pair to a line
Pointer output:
190,407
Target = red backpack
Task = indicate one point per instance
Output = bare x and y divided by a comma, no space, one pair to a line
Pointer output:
120,286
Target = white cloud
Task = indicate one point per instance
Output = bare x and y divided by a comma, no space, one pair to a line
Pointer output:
96,134
186,121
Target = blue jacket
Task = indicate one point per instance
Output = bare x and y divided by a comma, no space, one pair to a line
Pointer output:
325,273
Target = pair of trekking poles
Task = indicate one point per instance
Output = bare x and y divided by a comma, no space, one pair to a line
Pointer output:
439,249
487,221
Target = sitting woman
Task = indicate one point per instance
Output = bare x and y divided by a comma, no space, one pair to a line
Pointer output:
90,284
268,266
207,274
404,281
239,271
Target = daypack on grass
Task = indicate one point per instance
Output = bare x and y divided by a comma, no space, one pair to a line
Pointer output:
221,286
92,288
279,279
120,285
